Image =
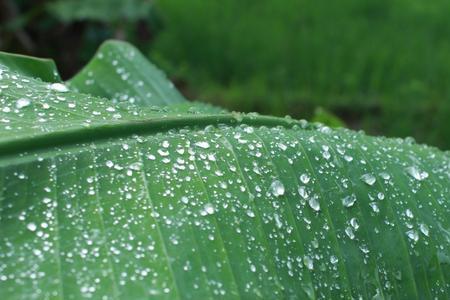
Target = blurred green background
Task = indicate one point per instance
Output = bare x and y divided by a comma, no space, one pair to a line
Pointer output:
382,66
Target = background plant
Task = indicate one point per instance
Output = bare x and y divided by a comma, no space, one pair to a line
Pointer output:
381,66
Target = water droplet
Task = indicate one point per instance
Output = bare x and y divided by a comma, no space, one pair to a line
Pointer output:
416,173
308,262
250,213
302,192
354,223
31,226
22,102
424,229
209,209
185,200
374,207
409,213
314,203
349,232
204,145
277,188
59,87
348,201
413,235
305,178
334,260
369,179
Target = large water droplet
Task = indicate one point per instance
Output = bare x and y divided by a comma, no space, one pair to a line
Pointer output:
416,173
413,235
59,87
314,203
305,178
348,201
277,188
308,262
22,102
204,145
31,226
368,179
424,229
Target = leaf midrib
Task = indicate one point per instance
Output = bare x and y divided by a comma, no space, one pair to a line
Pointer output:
117,129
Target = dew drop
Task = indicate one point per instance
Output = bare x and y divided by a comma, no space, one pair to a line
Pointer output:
348,201
277,188
334,260
413,235
424,229
314,203
305,178
209,209
31,227
204,145
368,179
58,87
308,262
22,102
416,173
349,232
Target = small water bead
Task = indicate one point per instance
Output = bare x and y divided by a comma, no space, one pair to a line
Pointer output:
314,203
413,235
31,227
368,179
416,173
277,188
58,87
305,178
22,102
348,201
109,164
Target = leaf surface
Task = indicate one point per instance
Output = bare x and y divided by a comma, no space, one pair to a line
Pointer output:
121,73
121,201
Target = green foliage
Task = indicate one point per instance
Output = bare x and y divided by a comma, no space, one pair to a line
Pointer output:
109,11
100,199
382,64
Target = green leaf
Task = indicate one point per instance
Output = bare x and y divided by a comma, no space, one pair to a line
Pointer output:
121,73
35,67
118,201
